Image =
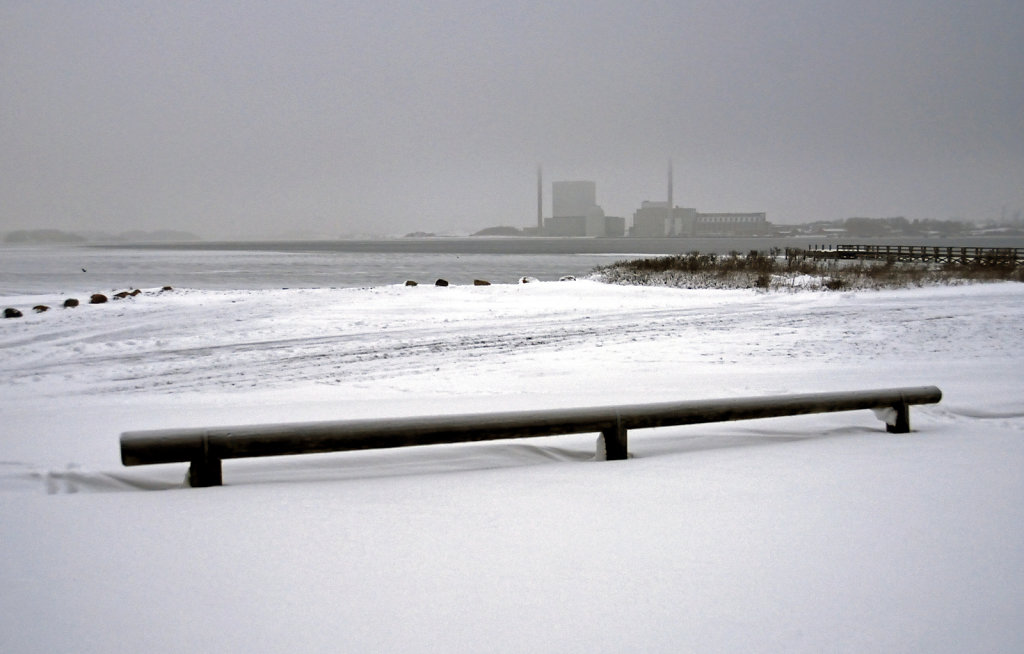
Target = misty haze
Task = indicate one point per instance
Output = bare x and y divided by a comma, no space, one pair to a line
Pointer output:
241,241
329,120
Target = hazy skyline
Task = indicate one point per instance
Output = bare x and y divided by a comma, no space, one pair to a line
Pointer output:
231,119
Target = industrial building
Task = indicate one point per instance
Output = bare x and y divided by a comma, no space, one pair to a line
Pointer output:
653,220
732,224
575,212
575,198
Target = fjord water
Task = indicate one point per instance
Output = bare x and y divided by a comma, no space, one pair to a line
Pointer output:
41,270
30,270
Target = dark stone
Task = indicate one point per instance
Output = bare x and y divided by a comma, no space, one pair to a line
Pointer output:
441,282
481,282
97,298
135,292
70,303
11,312
122,295
166,288
39,308
410,283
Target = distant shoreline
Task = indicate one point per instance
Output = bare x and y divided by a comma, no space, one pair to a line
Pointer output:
542,245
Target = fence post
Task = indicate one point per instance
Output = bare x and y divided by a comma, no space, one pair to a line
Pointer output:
206,470
615,442
902,422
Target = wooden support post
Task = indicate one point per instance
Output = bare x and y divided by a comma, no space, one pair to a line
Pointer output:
902,423
205,472
615,442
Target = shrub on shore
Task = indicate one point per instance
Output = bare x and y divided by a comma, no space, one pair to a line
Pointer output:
773,272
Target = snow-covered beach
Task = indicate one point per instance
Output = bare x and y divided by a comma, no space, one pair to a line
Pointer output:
814,533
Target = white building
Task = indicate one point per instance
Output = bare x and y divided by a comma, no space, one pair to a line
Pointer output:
574,198
575,212
652,220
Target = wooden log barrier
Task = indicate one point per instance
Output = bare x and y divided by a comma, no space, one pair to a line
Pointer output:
205,448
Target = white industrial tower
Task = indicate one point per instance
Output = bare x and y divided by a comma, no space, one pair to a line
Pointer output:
671,215
540,200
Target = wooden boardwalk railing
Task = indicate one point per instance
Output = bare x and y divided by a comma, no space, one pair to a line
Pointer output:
205,449
937,254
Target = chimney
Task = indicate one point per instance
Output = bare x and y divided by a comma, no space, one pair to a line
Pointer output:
671,213
540,200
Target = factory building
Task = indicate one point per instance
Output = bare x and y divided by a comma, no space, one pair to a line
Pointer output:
576,212
731,224
655,219
652,220
575,198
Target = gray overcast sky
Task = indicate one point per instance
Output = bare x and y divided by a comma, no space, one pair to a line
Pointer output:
251,118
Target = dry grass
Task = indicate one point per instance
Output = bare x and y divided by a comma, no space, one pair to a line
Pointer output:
772,272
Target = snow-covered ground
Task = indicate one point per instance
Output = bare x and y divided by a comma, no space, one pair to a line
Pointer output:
803,534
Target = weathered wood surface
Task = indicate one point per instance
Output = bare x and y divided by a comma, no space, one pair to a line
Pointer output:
937,254
205,448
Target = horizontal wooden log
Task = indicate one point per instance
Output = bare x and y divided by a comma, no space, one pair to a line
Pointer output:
217,443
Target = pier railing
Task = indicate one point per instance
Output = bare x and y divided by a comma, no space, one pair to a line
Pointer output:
205,449
930,253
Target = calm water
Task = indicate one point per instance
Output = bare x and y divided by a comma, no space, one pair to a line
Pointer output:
43,270
32,270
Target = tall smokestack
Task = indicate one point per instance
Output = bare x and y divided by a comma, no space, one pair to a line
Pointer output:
671,213
540,200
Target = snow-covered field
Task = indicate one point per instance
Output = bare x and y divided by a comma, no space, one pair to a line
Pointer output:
803,534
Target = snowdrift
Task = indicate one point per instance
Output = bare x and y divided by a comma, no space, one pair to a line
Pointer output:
792,534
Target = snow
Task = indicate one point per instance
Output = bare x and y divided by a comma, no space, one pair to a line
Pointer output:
803,534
